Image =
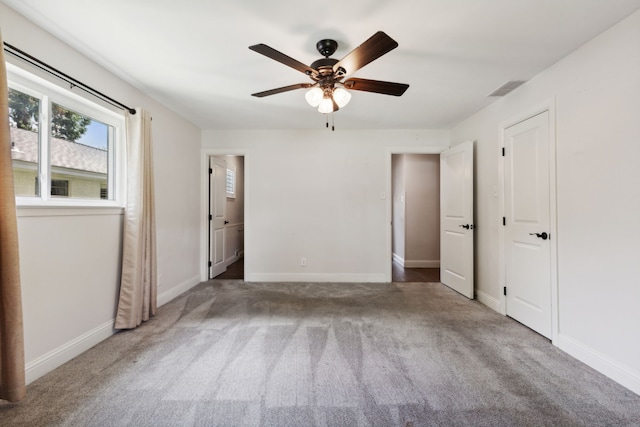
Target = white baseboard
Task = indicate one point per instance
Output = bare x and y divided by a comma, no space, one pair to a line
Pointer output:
315,277
624,375
415,263
61,355
488,300
177,290
234,258
421,263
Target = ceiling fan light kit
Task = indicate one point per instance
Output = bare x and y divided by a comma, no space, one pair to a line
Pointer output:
314,96
327,105
342,96
325,99
328,91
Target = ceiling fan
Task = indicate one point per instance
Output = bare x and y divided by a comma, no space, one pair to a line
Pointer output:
329,91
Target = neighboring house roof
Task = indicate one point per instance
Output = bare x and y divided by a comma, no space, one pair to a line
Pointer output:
66,154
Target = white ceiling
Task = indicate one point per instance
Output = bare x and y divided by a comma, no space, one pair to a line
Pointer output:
193,56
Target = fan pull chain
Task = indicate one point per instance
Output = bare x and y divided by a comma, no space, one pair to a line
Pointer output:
333,127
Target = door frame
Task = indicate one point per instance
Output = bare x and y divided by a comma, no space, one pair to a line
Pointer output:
387,194
205,154
548,106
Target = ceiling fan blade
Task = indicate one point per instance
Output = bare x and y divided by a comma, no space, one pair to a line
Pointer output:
282,58
282,89
376,46
377,86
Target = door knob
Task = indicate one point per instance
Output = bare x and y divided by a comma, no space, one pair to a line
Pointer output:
226,222
467,226
543,235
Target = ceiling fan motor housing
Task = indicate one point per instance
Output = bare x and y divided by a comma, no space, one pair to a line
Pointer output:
327,47
324,66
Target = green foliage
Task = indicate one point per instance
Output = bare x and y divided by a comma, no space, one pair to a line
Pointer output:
66,124
24,110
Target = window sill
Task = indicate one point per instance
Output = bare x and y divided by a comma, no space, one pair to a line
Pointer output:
53,210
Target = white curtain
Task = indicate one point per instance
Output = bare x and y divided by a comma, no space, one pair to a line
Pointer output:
138,285
12,372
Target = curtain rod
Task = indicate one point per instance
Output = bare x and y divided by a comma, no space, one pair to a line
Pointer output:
62,76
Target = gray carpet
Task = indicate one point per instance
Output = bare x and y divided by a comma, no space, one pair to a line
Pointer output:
228,353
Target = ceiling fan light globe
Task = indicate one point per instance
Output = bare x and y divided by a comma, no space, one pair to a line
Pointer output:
314,96
341,96
326,105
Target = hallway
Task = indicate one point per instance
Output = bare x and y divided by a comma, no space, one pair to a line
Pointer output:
400,274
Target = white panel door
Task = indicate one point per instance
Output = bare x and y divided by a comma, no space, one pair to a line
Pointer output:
527,223
217,215
456,218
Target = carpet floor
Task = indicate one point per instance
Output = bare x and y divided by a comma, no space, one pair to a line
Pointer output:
230,353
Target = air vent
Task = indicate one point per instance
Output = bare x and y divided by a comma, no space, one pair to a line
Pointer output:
507,87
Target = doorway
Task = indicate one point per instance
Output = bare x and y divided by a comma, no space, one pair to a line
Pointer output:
415,217
226,217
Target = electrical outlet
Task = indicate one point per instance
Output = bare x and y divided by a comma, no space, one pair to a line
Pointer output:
303,262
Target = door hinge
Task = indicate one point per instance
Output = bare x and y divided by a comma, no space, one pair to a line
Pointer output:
502,151
210,171
210,217
504,221
211,264
504,290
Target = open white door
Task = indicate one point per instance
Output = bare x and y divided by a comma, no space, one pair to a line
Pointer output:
217,214
456,218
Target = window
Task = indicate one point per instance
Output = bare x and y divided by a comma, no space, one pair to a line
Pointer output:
24,122
231,183
64,148
59,187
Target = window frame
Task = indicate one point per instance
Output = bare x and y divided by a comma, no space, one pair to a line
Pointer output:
48,93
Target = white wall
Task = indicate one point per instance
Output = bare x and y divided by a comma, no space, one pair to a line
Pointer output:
398,207
235,205
422,210
70,257
596,91
321,195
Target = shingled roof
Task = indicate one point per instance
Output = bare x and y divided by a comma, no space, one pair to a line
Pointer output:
65,154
